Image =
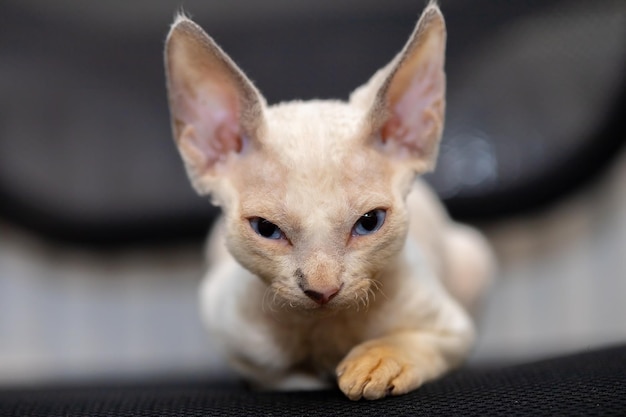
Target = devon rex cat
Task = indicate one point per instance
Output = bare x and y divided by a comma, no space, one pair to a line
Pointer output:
332,261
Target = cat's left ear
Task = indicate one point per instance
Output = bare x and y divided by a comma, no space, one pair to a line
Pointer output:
407,113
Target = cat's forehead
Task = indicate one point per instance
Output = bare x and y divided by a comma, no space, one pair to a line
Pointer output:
315,159
302,132
321,144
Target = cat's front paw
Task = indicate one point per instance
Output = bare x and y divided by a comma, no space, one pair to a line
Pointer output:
375,371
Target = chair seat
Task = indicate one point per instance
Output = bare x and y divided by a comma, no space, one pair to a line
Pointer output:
589,383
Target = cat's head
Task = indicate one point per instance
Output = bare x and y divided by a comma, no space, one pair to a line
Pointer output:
313,192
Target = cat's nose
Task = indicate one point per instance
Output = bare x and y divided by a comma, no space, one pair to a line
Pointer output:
322,295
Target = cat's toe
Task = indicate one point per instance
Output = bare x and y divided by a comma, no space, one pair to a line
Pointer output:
369,376
381,379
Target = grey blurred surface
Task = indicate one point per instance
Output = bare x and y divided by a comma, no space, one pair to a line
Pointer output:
67,314
562,284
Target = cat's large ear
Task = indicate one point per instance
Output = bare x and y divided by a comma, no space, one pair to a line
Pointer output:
216,111
406,99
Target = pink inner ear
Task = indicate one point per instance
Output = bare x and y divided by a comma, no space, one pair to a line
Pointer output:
211,129
416,100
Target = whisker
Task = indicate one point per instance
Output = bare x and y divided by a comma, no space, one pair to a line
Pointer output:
378,286
364,299
264,300
356,302
271,303
371,292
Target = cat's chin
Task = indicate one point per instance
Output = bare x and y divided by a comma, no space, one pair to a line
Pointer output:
318,311
309,308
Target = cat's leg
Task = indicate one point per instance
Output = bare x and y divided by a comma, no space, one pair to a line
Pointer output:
399,363
268,367
236,309
403,360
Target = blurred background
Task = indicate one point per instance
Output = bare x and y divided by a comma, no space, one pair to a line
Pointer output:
101,235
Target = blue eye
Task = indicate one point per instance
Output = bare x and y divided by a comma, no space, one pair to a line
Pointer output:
369,223
266,228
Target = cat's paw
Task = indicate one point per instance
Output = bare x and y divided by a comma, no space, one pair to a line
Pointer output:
375,371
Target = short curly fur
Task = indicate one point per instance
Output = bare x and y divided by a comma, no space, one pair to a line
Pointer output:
314,301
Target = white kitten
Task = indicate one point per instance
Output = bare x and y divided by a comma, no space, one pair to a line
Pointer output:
339,263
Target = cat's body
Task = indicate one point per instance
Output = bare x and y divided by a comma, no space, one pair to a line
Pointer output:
331,261
276,347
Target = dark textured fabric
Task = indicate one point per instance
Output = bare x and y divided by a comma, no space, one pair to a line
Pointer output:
586,384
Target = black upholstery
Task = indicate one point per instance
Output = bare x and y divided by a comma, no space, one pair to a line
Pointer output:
587,384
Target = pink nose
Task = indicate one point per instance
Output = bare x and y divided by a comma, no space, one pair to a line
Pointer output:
322,296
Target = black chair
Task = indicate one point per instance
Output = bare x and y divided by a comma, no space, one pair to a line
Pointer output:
586,384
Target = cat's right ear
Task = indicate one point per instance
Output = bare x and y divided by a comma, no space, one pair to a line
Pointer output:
216,111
